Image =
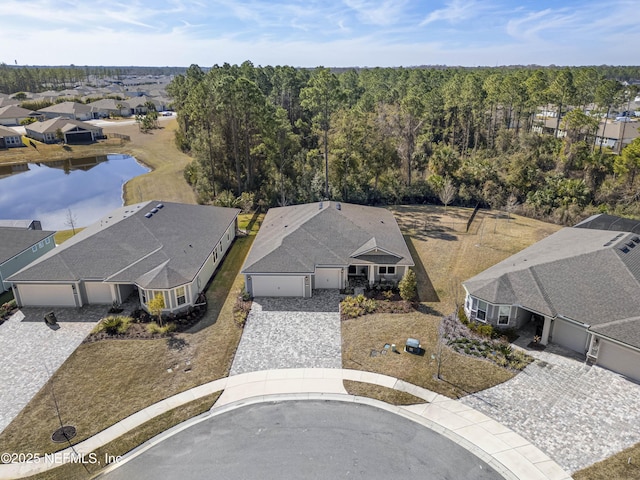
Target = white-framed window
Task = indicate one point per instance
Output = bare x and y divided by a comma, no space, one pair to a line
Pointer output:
143,295
503,315
387,270
482,311
47,240
220,247
34,248
181,295
215,256
40,244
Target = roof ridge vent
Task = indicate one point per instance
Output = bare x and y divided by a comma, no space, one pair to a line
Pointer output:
148,214
154,210
320,206
338,206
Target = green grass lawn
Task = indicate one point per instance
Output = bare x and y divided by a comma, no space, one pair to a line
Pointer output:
104,382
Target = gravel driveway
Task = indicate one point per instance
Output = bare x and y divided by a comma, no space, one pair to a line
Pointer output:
577,414
289,332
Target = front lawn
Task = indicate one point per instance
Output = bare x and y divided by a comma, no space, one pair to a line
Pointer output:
445,255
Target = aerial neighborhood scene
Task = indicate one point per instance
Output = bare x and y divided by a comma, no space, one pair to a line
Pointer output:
318,240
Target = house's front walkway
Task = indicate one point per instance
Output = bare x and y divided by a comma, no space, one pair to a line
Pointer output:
575,413
31,351
289,332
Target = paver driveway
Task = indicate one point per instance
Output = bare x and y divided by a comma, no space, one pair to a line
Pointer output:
288,332
31,352
577,414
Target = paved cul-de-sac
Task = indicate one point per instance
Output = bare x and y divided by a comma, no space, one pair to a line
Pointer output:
290,332
578,414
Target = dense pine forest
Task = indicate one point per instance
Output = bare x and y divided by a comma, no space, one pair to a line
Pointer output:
395,135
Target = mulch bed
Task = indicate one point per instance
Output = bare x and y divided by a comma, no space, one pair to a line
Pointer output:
138,329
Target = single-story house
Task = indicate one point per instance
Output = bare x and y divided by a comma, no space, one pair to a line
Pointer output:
138,105
9,138
150,248
19,247
73,131
301,248
13,115
108,106
580,286
71,110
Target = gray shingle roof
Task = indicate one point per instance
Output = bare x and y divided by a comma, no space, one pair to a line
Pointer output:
602,221
296,239
161,252
14,111
8,132
578,273
68,108
14,240
62,123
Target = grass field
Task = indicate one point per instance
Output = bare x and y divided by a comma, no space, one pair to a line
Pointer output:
445,255
104,382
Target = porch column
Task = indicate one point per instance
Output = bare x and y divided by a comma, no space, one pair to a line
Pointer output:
372,275
546,330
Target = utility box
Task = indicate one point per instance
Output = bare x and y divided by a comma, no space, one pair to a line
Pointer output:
413,346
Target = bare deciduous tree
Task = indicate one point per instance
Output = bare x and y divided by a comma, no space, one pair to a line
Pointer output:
447,192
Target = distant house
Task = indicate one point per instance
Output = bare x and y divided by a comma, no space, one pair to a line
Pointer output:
71,110
10,138
581,286
108,106
13,115
614,135
147,249
73,131
138,105
323,245
19,247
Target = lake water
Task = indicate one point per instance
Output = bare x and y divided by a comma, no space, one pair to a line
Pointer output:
89,187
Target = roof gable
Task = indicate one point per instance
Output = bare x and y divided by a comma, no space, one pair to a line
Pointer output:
296,239
162,251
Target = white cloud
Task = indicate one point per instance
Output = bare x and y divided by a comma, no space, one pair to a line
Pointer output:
378,13
455,11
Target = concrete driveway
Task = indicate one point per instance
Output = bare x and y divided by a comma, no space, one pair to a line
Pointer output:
31,352
288,332
577,414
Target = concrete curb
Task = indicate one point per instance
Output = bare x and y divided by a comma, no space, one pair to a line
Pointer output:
507,452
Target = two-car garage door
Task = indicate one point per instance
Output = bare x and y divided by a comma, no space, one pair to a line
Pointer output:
277,286
46,295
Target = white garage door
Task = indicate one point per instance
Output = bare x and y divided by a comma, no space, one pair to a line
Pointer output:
46,295
98,293
569,336
277,286
619,359
328,278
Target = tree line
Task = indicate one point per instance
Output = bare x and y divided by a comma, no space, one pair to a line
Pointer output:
407,135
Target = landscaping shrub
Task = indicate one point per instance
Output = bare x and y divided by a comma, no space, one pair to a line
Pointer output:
154,328
408,286
114,325
353,307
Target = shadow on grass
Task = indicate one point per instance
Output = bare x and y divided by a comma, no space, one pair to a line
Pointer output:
220,286
426,292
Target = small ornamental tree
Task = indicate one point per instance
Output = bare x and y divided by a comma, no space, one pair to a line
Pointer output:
156,305
408,286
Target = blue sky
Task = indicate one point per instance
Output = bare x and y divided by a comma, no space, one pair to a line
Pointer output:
312,32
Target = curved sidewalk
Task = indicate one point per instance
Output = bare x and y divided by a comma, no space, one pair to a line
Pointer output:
507,452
